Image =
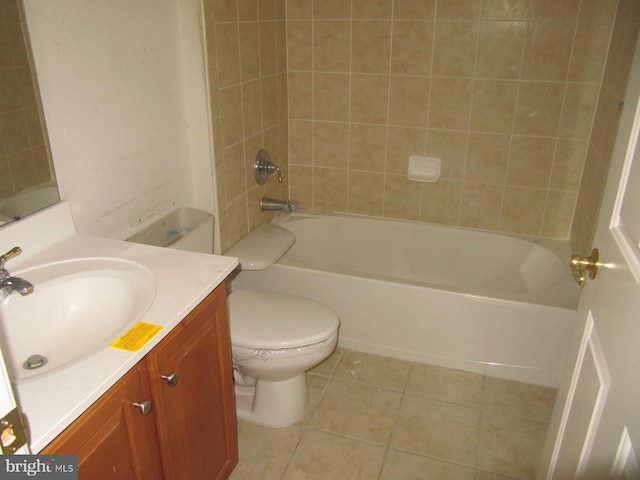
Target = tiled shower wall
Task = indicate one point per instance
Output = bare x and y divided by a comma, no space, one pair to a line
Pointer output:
24,161
246,51
612,91
504,91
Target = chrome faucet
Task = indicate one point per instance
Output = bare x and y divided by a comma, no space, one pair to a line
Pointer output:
9,284
287,206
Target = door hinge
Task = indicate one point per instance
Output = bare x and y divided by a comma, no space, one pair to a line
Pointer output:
13,433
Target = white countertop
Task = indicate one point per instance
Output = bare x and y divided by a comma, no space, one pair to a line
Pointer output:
51,402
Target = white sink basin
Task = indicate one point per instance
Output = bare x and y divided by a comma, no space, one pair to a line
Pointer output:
77,308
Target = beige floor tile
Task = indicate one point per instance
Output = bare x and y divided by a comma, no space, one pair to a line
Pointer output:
511,445
407,466
264,451
516,398
324,456
445,384
437,429
482,475
316,386
358,411
327,367
383,372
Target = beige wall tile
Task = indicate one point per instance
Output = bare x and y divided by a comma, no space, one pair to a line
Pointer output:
597,11
230,100
369,99
441,202
505,9
552,10
530,161
412,46
268,48
455,45
299,44
367,145
578,110
302,185
370,46
409,101
522,210
331,46
451,147
297,9
500,49
480,205
402,142
365,193
332,9
301,142
538,108
252,107
401,198
487,157
269,91
568,163
558,214
331,96
458,9
590,51
330,189
248,10
493,105
450,103
371,9
547,51
330,144
300,95
414,10
228,54
249,44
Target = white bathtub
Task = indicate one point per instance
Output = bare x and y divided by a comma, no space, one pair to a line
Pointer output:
481,302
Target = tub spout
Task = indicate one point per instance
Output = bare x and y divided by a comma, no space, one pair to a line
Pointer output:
287,206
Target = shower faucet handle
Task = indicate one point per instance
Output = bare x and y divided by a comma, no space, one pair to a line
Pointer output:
263,167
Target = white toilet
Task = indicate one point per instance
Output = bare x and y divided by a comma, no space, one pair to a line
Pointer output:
275,338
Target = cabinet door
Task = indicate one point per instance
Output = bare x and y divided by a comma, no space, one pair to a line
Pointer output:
192,385
113,438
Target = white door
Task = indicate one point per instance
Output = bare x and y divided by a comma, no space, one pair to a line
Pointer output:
595,429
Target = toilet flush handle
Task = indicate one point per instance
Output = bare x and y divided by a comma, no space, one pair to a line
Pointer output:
172,379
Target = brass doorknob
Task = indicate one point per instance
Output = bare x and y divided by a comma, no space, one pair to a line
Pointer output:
583,266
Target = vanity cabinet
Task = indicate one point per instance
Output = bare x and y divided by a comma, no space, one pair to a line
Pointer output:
190,431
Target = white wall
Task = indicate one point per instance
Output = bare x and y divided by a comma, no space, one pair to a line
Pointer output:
125,107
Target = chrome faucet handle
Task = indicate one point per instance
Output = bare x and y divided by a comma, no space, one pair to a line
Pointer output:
263,167
15,251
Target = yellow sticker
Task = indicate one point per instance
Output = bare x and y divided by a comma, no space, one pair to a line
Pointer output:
136,337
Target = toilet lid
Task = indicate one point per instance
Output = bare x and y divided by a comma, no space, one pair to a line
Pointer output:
273,320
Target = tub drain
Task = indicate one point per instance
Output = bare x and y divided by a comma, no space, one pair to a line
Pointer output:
35,361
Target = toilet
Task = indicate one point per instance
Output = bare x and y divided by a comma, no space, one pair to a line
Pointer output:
275,338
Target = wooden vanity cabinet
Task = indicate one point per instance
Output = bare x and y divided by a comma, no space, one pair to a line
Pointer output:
192,389
112,438
190,432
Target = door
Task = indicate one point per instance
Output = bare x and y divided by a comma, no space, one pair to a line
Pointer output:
595,429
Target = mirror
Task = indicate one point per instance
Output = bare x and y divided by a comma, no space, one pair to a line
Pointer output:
27,179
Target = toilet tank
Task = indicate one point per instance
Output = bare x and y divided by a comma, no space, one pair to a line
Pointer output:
183,229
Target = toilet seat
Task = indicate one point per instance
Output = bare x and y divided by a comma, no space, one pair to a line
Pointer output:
264,320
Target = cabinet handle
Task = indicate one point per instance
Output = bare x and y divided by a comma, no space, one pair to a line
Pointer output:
172,379
144,407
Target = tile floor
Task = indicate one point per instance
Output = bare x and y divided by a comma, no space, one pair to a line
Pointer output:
372,417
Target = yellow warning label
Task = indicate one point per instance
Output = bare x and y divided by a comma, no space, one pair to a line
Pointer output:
136,337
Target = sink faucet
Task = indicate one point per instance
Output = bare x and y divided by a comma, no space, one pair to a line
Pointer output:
287,206
9,284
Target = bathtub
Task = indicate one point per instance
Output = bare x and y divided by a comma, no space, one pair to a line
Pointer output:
487,303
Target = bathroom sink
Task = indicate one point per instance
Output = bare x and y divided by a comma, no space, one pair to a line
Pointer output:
77,308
